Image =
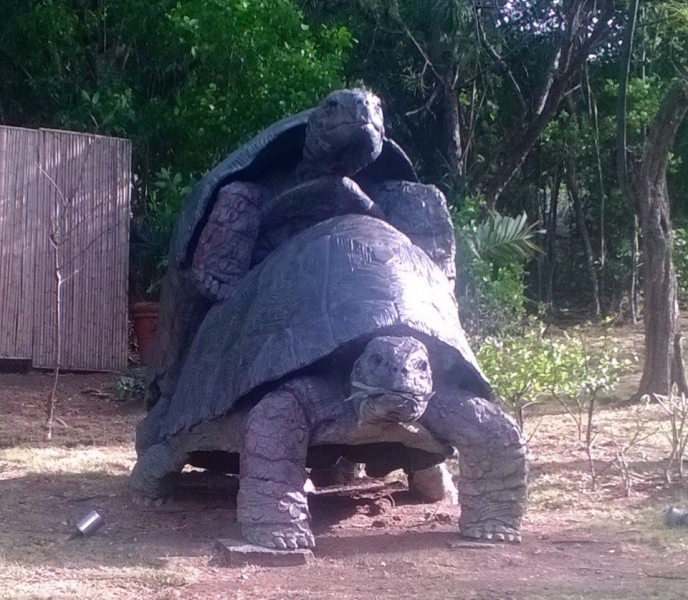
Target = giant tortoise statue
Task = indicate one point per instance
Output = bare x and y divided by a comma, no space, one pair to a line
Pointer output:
323,162
344,342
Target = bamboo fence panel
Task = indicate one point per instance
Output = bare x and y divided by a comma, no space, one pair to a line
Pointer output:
79,219
18,153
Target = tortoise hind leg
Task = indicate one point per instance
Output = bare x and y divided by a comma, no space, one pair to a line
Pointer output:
272,510
492,462
433,484
343,472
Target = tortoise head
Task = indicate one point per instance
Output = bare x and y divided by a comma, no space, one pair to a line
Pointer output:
344,134
391,380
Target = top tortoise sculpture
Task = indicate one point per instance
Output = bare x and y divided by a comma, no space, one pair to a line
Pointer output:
330,160
344,342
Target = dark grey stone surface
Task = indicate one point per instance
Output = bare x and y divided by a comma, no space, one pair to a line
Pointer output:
237,553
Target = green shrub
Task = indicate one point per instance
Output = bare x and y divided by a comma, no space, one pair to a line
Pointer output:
491,258
492,300
186,81
528,366
151,231
129,387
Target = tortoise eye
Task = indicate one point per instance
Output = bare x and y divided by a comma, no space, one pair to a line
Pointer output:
423,366
332,104
377,360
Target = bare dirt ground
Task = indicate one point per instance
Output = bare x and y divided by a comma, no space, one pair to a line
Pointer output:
372,543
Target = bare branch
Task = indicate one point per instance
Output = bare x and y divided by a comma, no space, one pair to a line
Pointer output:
498,59
427,105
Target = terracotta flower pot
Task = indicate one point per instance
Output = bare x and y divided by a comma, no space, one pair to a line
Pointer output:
145,318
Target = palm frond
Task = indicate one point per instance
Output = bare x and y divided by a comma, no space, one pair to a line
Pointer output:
503,240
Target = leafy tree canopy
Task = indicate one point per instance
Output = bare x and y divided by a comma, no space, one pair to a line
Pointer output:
186,80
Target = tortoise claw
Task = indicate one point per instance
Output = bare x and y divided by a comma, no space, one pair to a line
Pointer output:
491,532
279,542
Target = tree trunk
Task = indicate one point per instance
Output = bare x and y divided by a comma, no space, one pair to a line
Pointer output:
635,264
519,143
661,302
583,231
452,132
551,240
663,361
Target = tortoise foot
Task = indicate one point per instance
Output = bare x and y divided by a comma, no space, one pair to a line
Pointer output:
279,535
491,531
146,501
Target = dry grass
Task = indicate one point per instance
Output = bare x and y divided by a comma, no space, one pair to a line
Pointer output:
102,582
109,460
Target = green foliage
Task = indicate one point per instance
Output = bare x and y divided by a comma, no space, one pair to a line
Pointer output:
151,232
503,240
492,300
187,81
527,366
644,95
491,260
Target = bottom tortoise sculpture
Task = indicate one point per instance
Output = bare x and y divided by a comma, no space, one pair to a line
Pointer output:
345,343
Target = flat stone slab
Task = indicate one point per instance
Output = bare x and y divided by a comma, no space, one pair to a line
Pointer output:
471,545
237,553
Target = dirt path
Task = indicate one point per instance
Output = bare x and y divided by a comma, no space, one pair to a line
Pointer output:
371,543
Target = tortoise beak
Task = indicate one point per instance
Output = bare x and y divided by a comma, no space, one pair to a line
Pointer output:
391,407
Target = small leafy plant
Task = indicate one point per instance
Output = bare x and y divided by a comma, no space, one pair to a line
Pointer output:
152,230
532,364
129,387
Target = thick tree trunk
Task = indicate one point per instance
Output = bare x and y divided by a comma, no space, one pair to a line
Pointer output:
663,361
661,309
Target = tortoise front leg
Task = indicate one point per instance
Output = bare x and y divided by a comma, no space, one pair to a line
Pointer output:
223,254
492,462
272,507
155,472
